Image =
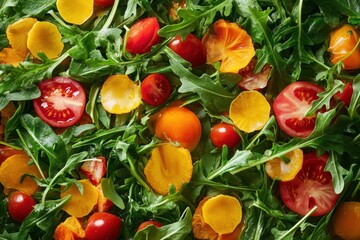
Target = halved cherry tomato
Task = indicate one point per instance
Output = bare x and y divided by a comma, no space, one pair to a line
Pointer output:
104,3
224,134
341,46
148,223
179,125
155,89
62,101
20,205
346,94
191,49
291,105
103,226
311,187
143,35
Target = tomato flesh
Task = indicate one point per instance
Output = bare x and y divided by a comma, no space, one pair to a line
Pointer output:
191,49
155,89
143,35
104,3
224,134
62,101
20,205
311,187
148,223
291,105
103,226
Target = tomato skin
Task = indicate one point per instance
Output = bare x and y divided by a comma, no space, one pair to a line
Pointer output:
62,102
342,42
346,94
104,3
155,89
311,187
147,223
224,134
191,49
20,205
179,124
103,226
290,107
143,35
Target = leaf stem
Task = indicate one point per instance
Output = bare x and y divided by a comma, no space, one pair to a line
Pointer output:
111,16
35,160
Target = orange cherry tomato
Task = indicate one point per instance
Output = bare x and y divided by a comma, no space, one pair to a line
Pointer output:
341,47
179,125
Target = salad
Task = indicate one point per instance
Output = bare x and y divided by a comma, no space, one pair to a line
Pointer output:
179,119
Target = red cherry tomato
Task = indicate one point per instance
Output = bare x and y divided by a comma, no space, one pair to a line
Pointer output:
224,134
148,223
191,49
346,94
143,35
103,226
291,105
62,101
20,206
311,187
104,3
155,89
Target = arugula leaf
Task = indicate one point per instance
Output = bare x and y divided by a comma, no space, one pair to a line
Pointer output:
354,107
41,137
213,96
196,17
176,230
256,25
337,172
108,189
333,12
35,7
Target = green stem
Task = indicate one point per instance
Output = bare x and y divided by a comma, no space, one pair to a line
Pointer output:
36,162
111,16
59,20
285,236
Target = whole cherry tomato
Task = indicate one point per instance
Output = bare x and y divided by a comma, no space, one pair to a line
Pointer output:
224,134
20,205
191,49
155,89
62,101
143,35
148,223
341,46
104,3
179,125
103,226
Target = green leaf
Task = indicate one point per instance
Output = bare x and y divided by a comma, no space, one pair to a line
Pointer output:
109,191
239,160
196,17
36,7
337,172
257,27
177,230
41,137
354,107
212,94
